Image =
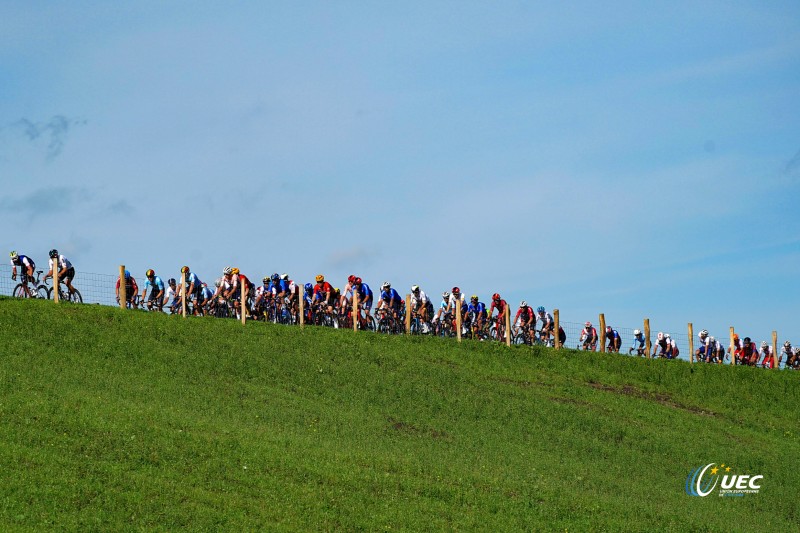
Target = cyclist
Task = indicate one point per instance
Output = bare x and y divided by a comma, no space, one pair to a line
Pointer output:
672,347
156,294
390,299
347,294
323,293
263,294
238,282
444,306
704,349
27,268
525,319
205,298
768,361
476,313
173,296
716,351
794,363
454,301
131,290
749,353
614,340
66,272
501,306
365,296
589,337
421,306
548,325
193,287
786,353
638,339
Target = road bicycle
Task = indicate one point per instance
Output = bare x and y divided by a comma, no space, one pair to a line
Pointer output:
63,293
39,289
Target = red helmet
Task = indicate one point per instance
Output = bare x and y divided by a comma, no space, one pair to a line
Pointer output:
495,296
456,290
351,278
357,281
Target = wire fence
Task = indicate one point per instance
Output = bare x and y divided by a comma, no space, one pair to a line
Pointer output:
100,289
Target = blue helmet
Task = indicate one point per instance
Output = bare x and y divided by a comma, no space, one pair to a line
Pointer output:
127,274
540,309
309,287
275,277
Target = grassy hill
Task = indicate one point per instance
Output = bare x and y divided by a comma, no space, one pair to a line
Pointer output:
115,420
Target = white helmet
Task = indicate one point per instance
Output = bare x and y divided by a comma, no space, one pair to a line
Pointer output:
636,332
660,336
218,282
523,303
386,286
285,277
666,335
227,271
763,344
787,344
712,339
703,334
797,350
445,295
415,288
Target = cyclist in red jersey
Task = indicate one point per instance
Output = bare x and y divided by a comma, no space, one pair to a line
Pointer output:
501,305
323,293
525,317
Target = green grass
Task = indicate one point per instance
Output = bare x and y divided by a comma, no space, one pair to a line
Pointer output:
126,420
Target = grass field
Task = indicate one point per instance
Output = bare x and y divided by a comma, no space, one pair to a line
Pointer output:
126,420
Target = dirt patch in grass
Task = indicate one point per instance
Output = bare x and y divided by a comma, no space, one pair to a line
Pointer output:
522,383
663,399
411,429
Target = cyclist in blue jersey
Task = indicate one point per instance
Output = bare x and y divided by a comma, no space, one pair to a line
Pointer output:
638,343
27,268
156,287
205,298
193,287
365,296
614,340
476,313
390,299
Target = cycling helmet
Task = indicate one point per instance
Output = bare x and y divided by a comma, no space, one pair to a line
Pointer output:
127,274
319,278
285,277
308,287
540,309
150,273
204,285
235,271
351,278
456,290
336,290
445,295
415,289
171,281
523,304
495,296
185,270
358,281
660,336
711,339
636,333
608,329
474,298
265,279
386,286
275,277
666,335
797,350
735,336
227,271
588,325
763,344
218,282
703,334
13,254
747,340
787,344
53,253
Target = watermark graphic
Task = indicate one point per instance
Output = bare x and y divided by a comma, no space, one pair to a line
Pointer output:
703,480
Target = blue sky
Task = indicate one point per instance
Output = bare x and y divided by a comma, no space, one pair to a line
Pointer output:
637,159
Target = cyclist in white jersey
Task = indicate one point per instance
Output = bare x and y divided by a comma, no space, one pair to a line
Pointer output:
66,272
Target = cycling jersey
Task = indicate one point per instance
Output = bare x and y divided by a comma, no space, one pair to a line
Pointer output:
206,293
479,308
364,293
391,295
638,339
23,261
157,285
63,262
501,307
526,313
419,301
320,290
590,334
191,277
750,354
547,321
130,286
452,301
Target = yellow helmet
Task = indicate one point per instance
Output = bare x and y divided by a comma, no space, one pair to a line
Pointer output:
235,271
320,278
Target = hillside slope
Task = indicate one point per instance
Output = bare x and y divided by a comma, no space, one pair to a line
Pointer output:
114,419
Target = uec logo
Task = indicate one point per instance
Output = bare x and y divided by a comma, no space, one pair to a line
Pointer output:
698,484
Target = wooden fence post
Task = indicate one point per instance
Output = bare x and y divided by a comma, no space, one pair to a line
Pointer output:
408,314
183,294
775,361
123,297
242,304
733,357
355,312
302,305
557,343
55,280
508,324
691,343
457,311
648,345
602,333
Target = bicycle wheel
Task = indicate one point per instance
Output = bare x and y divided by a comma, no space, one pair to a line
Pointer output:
20,292
519,338
42,292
